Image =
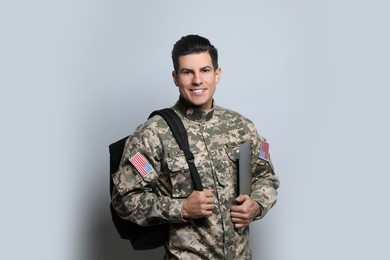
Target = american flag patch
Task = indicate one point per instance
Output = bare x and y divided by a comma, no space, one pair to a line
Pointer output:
264,147
141,164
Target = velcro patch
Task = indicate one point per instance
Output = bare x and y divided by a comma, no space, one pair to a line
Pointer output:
141,164
264,148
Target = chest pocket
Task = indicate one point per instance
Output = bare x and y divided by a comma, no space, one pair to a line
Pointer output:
226,168
180,176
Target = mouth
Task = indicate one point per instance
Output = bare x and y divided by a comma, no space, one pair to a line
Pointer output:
198,91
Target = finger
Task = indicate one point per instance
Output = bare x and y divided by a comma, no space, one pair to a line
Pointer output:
242,198
209,207
245,216
240,220
239,223
210,200
209,193
208,210
237,216
238,209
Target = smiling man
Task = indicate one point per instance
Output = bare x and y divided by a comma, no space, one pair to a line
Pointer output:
208,224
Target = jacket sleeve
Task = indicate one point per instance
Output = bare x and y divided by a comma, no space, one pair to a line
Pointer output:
135,197
264,180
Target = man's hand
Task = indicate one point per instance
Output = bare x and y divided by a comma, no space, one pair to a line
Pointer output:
243,213
199,204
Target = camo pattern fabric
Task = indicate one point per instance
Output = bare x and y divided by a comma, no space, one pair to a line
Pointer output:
157,197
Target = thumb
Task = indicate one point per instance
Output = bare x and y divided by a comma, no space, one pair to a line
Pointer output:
241,198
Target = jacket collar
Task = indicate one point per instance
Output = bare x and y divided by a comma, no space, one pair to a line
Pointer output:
194,113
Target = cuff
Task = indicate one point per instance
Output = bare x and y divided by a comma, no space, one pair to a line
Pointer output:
262,212
175,211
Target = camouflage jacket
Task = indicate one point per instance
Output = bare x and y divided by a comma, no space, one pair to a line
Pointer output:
214,137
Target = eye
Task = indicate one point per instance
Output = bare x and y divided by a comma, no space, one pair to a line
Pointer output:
205,70
186,72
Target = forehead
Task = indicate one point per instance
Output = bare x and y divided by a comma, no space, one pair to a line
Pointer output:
195,60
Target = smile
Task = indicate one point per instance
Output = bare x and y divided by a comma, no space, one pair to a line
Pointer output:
197,91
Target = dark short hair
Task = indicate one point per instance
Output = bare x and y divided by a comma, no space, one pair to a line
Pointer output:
193,44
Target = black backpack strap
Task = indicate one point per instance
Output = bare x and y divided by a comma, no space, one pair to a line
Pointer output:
179,132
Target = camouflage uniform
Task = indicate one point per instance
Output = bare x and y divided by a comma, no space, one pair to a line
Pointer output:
214,138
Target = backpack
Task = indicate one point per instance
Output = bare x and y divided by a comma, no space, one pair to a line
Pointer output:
149,237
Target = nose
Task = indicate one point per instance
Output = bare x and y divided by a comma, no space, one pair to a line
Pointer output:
197,79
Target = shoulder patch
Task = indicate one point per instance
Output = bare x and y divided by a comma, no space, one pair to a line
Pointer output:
264,150
141,164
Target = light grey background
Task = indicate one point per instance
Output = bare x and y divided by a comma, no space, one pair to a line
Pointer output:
312,75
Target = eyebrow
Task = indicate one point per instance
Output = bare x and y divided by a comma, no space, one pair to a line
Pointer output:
191,70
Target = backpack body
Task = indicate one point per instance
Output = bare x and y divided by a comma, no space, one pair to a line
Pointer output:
141,237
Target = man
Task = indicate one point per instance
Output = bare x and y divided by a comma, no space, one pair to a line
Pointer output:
208,224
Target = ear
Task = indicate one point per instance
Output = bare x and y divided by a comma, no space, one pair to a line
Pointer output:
218,72
175,79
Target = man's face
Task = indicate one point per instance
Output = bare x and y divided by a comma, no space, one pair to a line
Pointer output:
197,79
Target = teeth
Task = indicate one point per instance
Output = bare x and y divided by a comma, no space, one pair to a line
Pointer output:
197,90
